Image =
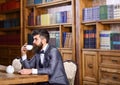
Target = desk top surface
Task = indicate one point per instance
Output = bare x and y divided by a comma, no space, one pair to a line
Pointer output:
16,78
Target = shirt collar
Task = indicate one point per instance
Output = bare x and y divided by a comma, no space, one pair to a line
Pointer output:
45,47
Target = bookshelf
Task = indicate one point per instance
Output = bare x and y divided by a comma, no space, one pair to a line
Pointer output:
58,17
11,30
98,58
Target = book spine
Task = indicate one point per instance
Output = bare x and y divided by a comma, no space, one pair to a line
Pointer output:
86,38
110,11
103,12
105,39
37,1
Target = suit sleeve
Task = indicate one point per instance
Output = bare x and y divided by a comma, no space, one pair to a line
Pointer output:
54,54
29,63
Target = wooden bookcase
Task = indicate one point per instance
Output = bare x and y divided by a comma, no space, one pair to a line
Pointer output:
97,66
11,30
51,10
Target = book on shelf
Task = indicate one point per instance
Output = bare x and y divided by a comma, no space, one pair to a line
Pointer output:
32,2
64,16
57,39
53,18
116,11
115,27
86,38
9,23
90,38
103,12
31,19
37,1
58,17
54,38
87,12
63,38
70,41
38,20
67,40
110,11
45,19
9,5
69,16
115,41
96,13
105,39
105,2
48,0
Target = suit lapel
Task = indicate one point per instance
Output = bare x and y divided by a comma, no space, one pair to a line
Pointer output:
47,57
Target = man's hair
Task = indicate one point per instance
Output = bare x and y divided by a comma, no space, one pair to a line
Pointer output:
42,32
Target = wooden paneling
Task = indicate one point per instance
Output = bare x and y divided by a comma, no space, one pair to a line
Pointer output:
109,76
7,54
66,54
90,66
109,72
89,83
109,59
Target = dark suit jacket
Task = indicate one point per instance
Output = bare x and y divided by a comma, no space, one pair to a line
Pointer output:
53,65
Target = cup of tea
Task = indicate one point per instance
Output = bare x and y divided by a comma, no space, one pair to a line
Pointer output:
29,47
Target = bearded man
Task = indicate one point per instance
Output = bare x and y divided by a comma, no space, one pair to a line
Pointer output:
46,60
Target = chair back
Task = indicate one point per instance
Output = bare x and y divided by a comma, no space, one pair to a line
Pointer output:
70,69
16,64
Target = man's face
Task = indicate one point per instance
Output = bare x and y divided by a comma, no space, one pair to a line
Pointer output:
37,43
37,40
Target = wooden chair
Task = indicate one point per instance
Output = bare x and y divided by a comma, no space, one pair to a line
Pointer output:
70,69
16,64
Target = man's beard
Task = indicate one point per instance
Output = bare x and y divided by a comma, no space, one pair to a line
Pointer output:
37,48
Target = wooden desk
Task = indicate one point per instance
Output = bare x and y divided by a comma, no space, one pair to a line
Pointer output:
16,78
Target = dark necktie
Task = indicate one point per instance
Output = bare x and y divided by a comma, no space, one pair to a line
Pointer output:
42,52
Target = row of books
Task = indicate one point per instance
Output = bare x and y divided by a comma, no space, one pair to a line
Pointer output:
115,27
9,5
10,23
54,38
101,12
67,40
105,2
10,39
47,19
90,38
110,40
32,2
59,9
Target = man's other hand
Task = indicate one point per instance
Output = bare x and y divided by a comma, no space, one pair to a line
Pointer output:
25,71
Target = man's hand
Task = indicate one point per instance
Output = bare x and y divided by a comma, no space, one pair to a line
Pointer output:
25,71
23,49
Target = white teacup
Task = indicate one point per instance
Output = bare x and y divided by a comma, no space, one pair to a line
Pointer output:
10,69
29,47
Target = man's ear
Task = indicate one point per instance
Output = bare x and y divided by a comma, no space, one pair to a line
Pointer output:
43,40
